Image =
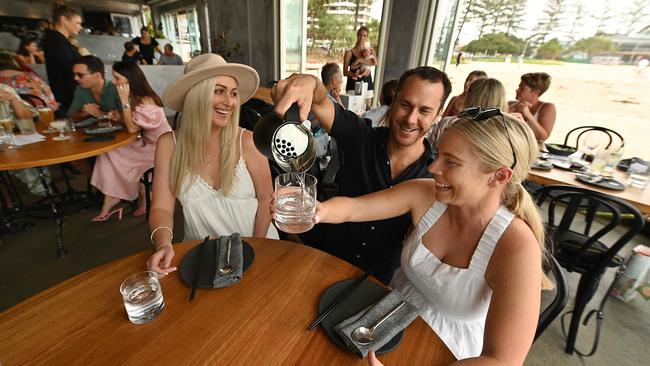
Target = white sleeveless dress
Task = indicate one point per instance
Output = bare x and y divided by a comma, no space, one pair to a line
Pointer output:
453,301
207,211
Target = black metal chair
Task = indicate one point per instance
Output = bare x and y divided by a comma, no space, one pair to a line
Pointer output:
176,121
581,251
560,300
147,181
583,132
248,117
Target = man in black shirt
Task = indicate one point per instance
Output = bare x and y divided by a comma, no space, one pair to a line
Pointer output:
374,159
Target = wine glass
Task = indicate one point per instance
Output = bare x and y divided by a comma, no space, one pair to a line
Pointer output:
8,127
60,126
590,144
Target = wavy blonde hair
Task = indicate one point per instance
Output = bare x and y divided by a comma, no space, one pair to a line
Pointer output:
486,93
491,145
194,135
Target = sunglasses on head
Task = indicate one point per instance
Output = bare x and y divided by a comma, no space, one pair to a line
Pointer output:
478,114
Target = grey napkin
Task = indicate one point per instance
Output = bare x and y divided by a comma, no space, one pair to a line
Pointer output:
370,315
236,260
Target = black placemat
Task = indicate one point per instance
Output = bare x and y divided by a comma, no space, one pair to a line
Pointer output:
103,130
602,182
367,293
189,264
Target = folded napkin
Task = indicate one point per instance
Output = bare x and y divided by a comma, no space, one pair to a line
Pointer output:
370,315
236,260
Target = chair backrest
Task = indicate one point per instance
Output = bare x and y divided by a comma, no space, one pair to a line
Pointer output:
33,100
176,121
248,117
583,131
608,209
556,306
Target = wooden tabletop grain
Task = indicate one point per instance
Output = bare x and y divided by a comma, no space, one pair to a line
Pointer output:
50,152
640,198
260,321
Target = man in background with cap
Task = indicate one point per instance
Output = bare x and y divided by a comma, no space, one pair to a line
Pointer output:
374,159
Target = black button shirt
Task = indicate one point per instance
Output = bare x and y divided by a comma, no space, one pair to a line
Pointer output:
375,245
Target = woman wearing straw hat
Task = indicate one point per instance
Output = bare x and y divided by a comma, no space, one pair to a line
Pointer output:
211,166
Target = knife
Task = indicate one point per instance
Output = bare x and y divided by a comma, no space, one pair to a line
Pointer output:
348,290
199,261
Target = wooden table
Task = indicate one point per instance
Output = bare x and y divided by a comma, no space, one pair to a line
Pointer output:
48,152
640,198
260,321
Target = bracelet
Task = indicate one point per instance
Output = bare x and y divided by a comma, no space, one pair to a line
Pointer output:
158,228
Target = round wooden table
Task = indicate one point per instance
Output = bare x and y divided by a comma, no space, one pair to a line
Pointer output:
260,321
48,152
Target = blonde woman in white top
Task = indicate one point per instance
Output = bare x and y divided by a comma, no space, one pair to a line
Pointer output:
211,166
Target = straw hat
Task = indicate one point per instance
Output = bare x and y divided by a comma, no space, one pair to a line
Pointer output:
206,66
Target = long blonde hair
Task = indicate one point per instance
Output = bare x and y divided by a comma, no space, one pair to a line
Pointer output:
194,135
491,145
486,93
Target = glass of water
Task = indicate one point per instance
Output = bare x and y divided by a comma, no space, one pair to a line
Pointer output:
295,202
638,174
143,298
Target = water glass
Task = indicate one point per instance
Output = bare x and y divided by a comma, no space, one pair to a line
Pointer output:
613,160
638,175
600,161
26,126
295,202
143,298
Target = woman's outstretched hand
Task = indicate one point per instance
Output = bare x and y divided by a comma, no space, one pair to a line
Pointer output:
161,260
372,359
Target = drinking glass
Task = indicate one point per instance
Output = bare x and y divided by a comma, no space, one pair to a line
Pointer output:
612,161
60,125
46,115
143,297
8,125
26,126
638,174
600,161
295,202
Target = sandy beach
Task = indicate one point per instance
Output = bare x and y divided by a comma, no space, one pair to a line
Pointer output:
615,97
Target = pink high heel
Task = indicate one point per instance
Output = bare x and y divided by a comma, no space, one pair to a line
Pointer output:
139,212
106,216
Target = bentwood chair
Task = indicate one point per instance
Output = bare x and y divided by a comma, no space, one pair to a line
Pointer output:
560,300
581,250
147,181
176,121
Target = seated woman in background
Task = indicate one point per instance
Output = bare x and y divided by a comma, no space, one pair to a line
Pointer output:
212,167
539,115
456,103
25,82
473,262
376,115
117,173
29,53
483,92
